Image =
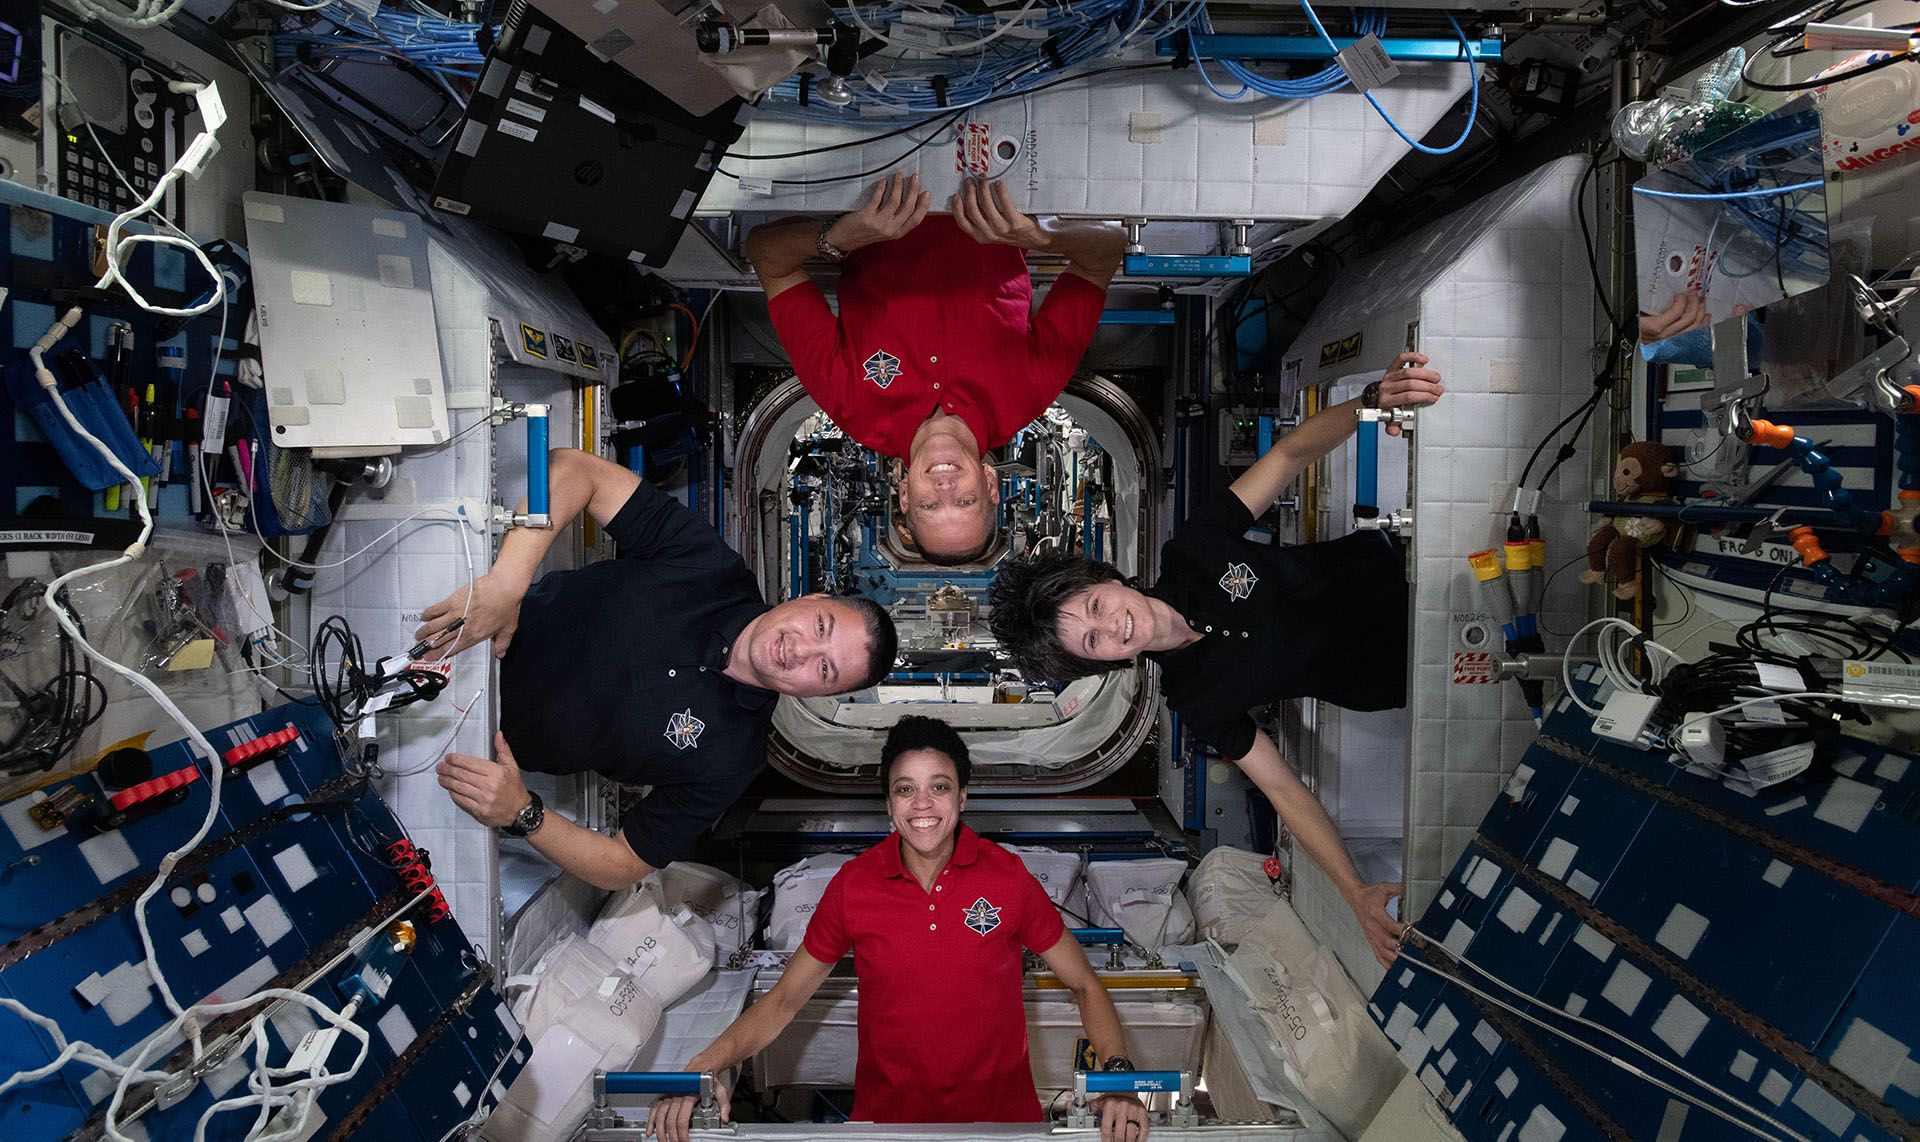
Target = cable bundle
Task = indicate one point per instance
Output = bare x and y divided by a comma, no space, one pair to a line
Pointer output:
348,688
52,717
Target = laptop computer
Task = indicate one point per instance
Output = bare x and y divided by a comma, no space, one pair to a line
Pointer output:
561,144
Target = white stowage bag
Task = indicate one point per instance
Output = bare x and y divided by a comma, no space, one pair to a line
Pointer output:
1231,893
584,1013
1059,874
668,948
1141,897
797,890
591,1003
729,905
1318,1019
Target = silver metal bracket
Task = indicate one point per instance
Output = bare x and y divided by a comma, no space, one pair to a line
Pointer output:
1404,417
1399,523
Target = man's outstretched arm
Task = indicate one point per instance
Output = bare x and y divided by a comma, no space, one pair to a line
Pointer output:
1094,250
492,792
577,481
779,250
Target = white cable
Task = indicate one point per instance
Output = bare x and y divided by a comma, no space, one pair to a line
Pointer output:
1617,1061
117,243
434,759
1007,24
146,13
1610,657
67,1052
278,998
198,741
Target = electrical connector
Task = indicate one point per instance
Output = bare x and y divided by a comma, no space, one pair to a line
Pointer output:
1703,742
1625,718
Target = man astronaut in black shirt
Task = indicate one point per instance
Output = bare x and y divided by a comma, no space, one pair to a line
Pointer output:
659,668
1236,624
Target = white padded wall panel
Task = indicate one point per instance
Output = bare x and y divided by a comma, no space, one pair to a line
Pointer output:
1505,308
382,592
1203,160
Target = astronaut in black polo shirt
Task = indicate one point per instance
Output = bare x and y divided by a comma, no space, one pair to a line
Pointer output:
1236,624
657,668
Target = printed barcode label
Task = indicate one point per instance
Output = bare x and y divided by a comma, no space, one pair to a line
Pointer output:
1885,683
1367,63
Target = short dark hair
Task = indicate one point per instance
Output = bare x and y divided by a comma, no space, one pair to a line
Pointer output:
957,558
883,644
1024,611
917,731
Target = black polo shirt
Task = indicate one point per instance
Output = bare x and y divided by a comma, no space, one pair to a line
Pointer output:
617,668
1320,620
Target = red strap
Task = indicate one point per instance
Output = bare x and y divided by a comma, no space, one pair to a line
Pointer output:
246,751
147,790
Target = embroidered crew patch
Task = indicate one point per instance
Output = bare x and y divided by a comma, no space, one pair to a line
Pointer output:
983,917
683,730
882,368
1238,581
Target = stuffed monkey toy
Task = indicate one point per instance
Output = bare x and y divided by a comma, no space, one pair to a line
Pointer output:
1643,474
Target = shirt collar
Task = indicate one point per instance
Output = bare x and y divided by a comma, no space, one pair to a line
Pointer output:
966,850
714,655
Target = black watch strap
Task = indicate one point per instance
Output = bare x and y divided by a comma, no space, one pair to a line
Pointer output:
529,819
1370,396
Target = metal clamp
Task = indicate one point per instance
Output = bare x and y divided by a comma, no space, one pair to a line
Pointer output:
1242,232
1401,416
1398,522
1183,1114
1114,938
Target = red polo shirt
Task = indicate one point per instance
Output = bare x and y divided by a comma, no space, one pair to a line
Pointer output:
943,1028
936,318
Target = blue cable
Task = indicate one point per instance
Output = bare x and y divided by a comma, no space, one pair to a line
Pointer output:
1473,86
1763,192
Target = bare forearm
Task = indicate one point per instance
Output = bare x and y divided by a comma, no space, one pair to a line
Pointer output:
756,1027
779,250
1093,249
576,482
1315,833
602,861
1324,431
1101,1021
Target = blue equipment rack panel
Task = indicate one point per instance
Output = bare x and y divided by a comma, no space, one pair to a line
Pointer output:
270,897
1763,943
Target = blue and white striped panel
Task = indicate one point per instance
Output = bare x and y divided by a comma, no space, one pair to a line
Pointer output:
1859,442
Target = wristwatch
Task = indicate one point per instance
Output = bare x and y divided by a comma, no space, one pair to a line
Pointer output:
1117,1063
528,820
828,250
1370,396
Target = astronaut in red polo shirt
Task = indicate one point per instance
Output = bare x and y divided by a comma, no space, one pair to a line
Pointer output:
937,353
937,920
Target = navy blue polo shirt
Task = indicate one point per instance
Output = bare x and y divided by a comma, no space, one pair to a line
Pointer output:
616,668
1317,620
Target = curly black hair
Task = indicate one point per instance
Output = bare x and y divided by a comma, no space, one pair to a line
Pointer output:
916,731
1025,601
